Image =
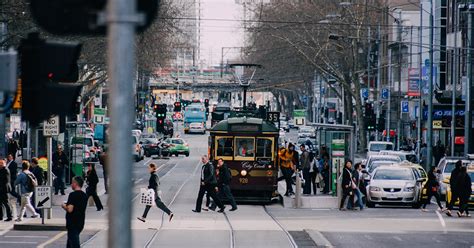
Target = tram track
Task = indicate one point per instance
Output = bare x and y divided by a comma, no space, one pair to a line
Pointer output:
288,235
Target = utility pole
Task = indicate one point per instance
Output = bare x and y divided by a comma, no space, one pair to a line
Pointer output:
420,80
429,135
468,141
454,82
389,101
121,17
399,111
379,82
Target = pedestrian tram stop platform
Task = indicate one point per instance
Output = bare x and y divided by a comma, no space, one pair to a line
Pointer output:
319,201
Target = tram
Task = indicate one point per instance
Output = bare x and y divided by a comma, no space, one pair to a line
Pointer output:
248,146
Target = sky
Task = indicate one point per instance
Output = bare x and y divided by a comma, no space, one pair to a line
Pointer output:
218,34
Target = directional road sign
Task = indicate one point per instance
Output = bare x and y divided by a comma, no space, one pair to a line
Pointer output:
365,93
385,93
405,108
43,197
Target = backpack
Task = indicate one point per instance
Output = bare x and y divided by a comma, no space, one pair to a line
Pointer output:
31,182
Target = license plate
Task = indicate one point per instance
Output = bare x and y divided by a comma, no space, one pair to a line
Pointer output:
392,196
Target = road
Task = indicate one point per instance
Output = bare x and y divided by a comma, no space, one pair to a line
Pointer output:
252,225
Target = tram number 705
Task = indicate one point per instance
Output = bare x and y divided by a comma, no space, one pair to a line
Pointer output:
243,180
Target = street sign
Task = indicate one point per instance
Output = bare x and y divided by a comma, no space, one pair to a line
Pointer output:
51,127
405,107
17,100
99,115
43,197
273,117
385,93
365,93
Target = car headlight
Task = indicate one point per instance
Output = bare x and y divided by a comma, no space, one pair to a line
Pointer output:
409,189
375,189
243,173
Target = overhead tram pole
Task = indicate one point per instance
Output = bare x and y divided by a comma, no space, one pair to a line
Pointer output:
121,19
429,135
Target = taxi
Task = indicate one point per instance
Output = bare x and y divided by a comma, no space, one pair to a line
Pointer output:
470,172
420,173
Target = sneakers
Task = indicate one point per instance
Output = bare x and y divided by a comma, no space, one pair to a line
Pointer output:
448,213
221,210
205,209
424,210
35,216
171,217
8,219
459,214
196,211
19,219
141,219
233,209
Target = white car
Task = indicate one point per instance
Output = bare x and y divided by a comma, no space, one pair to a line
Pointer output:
408,156
196,127
394,185
306,131
446,166
137,149
375,147
136,132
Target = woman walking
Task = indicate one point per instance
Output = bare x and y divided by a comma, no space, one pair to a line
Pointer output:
432,187
92,180
347,185
464,184
153,183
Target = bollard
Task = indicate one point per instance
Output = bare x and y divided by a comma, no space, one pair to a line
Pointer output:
298,190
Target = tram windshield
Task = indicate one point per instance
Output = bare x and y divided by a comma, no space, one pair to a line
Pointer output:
243,148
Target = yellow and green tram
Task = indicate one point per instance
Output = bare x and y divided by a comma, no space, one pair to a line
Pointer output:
249,148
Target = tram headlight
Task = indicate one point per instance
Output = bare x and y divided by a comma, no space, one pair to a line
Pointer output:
243,173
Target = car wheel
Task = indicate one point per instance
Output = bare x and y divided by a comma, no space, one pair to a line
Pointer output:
147,154
370,204
137,158
416,205
187,154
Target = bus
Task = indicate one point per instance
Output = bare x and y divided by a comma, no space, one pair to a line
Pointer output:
194,113
248,146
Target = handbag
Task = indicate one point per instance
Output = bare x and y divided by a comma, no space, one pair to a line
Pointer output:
147,197
353,185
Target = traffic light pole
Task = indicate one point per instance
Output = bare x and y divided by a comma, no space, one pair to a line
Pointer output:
122,19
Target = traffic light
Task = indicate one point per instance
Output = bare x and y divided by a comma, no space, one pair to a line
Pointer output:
160,125
83,16
177,107
161,111
45,66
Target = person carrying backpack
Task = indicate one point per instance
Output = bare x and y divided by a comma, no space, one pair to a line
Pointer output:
27,182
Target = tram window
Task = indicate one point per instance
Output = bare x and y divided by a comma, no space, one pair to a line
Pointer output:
224,147
245,147
264,148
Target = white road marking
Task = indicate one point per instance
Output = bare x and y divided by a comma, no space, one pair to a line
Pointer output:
18,242
441,220
397,238
48,242
368,237
28,237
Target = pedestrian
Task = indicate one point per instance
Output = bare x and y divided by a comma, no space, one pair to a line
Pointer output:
325,172
208,180
295,158
75,208
314,175
223,184
287,168
92,180
39,174
356,179
346,184
454,189
305,166
12,147
463,184
432,187
60,162
103,162
13,168
154,184
27,182
423,154
439,151
5,188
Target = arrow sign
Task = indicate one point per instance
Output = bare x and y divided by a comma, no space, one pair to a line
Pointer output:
41,203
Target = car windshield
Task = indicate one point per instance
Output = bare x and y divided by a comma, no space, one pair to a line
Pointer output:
380,147
305,130
81,140
388,174
195,124
178,141
151,140
148,135
374,165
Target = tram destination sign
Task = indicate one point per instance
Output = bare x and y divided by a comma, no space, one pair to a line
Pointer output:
273,117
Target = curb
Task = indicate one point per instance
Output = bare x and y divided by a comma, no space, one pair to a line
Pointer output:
39,227
318,238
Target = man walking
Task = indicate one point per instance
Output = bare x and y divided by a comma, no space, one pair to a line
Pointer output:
154,183
27,182
75,208
60,162
305,163
13,168
5,188
454,189
208,180
39,175
223,183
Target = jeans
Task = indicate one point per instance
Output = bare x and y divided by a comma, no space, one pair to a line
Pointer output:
26,205
224,191
287,173
59,184
212,193
73,238
307,182
345,193
358,193
159,204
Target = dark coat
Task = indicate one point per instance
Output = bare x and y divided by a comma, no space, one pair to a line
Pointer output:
463,185
346,179
92,179
154,182
452,179
5,185
224,176
432,180
13,168
208,175
59,163
39,174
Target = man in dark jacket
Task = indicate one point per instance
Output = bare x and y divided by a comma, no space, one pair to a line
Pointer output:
12,147
208,180
464,187
13,168
305,163
5,188
153,183
454,189
223,182
60,162
39,174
